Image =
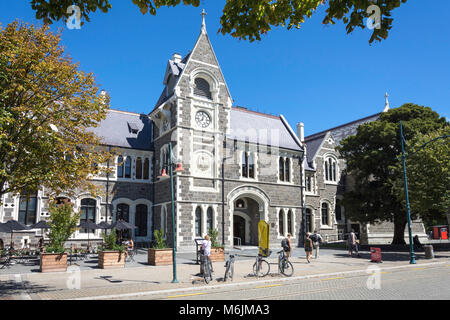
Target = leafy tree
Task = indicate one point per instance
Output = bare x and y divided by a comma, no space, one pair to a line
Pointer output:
246,19
46,107
428,172
374,167
63,223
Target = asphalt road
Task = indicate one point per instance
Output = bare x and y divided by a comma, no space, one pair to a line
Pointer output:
415,283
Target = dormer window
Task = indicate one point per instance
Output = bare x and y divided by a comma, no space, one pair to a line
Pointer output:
202,88
133,127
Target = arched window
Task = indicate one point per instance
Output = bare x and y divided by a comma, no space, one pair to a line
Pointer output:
202,88
88,211
209,220
128,168
330,169
338,210
288,169
325,214
281,223
139,168
141,220
309,225
146,169
245,164
123,212
28,208
251,166
290,221
198,222
281,165
120,167
309,183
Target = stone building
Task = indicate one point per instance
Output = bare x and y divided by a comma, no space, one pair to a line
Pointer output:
259,155
325,184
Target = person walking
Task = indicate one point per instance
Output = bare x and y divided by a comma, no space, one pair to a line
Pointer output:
287,247
308,246
206,248
352,243
317,241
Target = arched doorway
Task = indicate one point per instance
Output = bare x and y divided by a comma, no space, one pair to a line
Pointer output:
246,217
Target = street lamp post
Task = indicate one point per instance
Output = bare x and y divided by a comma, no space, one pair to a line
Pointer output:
408,213
178,169
402,139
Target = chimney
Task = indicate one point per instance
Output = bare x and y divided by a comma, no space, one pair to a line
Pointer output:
176,57
301,131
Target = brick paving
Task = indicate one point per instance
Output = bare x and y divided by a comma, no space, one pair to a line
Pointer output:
144,279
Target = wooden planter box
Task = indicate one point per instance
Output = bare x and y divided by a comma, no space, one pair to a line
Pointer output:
51,262
111,259
217,254
159,257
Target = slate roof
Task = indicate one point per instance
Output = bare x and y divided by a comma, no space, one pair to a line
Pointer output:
314,141
255,127
116,130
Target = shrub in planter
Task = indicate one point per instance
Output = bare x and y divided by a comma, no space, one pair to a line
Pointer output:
217,250
160,254
111,255
63,222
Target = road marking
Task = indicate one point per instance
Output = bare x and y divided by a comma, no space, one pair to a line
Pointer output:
268,286
332,278
186,295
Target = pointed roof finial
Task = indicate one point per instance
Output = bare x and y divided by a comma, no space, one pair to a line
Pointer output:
203,21
386,104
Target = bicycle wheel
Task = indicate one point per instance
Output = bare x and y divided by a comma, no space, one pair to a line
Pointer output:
227,271
286,268
263,270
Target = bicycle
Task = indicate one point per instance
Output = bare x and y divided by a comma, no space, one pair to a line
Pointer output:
206,269
284,265
261,267
229,271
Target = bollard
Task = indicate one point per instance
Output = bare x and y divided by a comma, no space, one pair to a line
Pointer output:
429,253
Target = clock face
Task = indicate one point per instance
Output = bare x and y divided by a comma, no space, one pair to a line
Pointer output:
203,119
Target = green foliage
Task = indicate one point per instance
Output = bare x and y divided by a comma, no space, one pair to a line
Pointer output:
46,106
373,158
160,243
63,222
110,242
247,19
213,233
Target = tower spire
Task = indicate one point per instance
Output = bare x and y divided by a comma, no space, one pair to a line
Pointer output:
386,103
203,21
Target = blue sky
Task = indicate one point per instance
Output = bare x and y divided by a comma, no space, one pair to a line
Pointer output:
318,75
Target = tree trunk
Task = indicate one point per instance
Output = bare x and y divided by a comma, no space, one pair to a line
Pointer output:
399,230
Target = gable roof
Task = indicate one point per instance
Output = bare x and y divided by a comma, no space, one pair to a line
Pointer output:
115,130
261,128
315,141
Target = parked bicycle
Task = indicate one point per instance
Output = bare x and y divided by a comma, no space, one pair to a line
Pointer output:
284,265
229,271
207,275
261,267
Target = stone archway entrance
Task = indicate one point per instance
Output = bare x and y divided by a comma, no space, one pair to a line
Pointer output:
248,205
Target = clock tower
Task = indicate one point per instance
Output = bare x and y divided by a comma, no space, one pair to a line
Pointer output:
193,113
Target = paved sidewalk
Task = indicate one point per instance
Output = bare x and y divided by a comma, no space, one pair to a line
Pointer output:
97,282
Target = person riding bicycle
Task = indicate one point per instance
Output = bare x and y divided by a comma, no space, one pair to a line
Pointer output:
206,248
286,244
